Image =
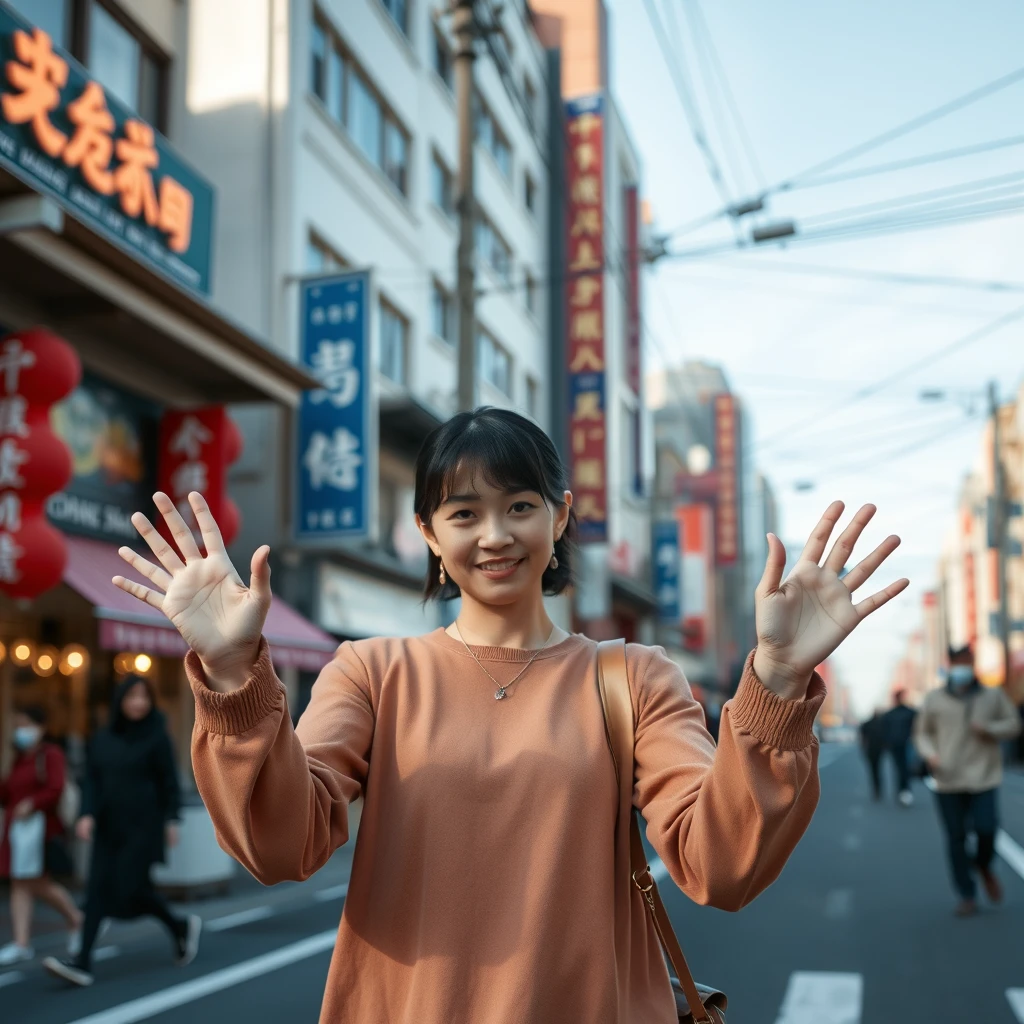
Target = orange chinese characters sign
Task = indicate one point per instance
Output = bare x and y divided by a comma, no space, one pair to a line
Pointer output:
585,348
64,136
727,533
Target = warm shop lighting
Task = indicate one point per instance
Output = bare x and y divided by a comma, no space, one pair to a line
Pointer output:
143,662
21,652
45,663
3,653
73,659
123,663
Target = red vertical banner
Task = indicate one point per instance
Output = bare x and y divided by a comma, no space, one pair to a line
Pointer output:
727,513
634,370
585,349
695,529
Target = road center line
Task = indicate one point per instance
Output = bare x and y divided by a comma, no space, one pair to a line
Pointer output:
189,991
1013,854
822,997
1015,997
221,924
333,893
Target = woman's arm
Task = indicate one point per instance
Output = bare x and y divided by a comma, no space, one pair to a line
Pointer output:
278,796
1004,723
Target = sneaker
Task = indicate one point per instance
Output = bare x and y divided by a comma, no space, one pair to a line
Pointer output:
68,971
12,953
993,887
188,943
906,798
966,908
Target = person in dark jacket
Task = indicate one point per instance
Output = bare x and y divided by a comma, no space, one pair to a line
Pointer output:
872,743
899,725
129,810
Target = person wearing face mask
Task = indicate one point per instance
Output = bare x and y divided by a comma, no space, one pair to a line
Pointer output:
958,734
34,787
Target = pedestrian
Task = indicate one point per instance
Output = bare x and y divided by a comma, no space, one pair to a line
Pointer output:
487,884
899,727
872,744
32,848
130,806
958,733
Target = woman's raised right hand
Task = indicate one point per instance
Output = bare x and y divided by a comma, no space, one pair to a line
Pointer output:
217,615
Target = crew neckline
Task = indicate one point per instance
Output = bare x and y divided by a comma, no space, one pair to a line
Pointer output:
511,654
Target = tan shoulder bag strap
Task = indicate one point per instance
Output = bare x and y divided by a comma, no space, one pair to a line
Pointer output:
613,683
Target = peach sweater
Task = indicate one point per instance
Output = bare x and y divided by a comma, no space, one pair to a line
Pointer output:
487,884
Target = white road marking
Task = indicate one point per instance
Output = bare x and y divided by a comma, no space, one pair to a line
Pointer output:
189,991
1015,996
1012,853
11,978
822,997
658,870
333,893
839,904
107,953
221,924
852,842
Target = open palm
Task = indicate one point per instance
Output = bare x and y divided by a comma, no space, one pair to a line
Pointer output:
802,620
203,596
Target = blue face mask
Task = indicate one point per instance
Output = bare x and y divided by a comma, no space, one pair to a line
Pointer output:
960,676
26,737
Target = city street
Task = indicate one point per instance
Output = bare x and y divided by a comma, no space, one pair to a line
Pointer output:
859,928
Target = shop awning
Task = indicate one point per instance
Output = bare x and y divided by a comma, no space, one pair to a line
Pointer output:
126,624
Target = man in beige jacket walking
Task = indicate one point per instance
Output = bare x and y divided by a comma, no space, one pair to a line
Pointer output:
958,734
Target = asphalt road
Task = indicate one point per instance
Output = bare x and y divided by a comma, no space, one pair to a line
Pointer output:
858,928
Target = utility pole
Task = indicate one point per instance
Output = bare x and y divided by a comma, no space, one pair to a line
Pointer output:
1000,539
465,28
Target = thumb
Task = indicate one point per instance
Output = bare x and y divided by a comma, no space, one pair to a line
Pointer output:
774,566
259,581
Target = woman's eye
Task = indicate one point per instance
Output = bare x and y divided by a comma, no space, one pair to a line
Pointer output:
462,513
522,506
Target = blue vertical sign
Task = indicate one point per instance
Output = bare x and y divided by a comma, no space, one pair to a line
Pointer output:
666,571
334,457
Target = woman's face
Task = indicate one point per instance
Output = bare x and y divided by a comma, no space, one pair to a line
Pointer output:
495,545
136,703
27,732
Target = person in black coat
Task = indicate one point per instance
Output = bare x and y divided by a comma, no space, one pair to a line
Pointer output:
130,804
899,726
872,743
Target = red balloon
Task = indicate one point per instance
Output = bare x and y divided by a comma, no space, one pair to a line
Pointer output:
234,443
230,521
38,554
41,461
45,367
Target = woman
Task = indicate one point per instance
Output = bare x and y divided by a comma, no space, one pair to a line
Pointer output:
482,886
34,786
129,811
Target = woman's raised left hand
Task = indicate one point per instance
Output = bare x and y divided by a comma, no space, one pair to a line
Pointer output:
802,620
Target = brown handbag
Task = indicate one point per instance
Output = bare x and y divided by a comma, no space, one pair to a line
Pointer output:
613,684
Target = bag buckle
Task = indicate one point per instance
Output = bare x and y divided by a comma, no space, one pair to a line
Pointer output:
650,880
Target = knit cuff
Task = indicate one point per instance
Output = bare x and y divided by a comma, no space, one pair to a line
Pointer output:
773,720
230,714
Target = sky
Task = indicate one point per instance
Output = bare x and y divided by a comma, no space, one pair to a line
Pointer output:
810,81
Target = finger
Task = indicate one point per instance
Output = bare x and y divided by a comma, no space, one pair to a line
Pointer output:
843,548
815,546
179,531
164,552
212,537
862,571
259,580
151,597
152,572
773,567
875,601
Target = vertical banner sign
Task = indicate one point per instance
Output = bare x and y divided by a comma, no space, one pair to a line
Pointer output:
695,540
333,459
666,571
588,415
634,368
727,516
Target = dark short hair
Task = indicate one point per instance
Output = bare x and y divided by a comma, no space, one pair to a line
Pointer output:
513,454
35,712
961,652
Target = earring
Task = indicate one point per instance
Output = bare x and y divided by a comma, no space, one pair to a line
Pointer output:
442,578
553,564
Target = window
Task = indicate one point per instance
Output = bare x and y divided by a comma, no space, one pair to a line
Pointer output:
394,331
530,193
530,102
399,11
50,15
532,393
492,138
121,63
492,248
444,64
530,289
441,189
352,101
495,363
442,313
321,258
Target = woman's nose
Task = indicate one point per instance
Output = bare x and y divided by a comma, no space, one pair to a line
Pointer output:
495,534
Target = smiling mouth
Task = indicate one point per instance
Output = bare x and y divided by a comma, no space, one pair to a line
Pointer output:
499,566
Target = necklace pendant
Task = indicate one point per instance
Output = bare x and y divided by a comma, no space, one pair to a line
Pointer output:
500,694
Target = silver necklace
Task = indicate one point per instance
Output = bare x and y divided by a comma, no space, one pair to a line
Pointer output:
500,693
